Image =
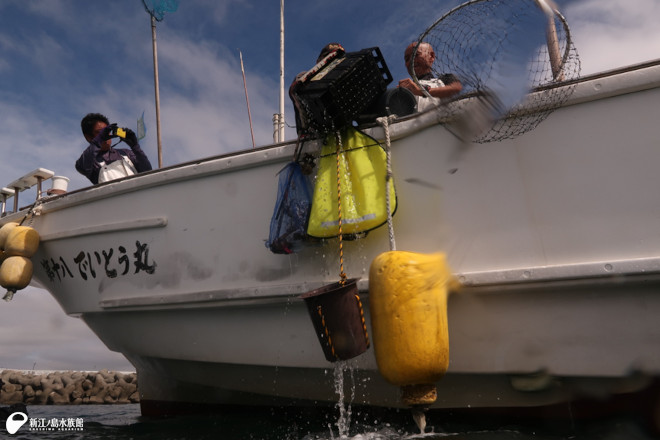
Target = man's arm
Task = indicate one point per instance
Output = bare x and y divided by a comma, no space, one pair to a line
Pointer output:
141,161
437,92
447,90
86,163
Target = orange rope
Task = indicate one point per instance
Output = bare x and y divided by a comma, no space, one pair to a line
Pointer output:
341,244
364,324
327,332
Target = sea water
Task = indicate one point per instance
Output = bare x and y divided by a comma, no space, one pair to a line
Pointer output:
91,422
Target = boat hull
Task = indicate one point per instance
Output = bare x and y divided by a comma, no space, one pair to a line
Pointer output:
522,347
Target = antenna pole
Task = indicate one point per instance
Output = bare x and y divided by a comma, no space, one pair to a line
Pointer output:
280,122
158,137
247,100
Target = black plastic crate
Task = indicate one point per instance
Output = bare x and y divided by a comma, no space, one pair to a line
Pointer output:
336,95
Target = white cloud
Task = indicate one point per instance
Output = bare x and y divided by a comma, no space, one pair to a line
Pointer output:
610,33
38,335
36,145
204,110
54,10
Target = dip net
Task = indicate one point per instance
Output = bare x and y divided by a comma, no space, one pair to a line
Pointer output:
158,8
515,58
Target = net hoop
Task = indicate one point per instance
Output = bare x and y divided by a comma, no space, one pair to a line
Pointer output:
160,7
457,31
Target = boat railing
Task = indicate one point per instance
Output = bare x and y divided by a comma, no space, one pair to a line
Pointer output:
33,178
5,193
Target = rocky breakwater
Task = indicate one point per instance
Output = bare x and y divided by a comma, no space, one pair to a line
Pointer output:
67,387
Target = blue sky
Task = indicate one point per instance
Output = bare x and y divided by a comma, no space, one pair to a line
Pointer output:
60,59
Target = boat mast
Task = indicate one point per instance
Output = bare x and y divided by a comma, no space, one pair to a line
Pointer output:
247,100
158,136
278,119
157,12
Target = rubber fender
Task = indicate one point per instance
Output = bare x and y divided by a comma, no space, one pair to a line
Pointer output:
408,303
22,241
4,232
15,273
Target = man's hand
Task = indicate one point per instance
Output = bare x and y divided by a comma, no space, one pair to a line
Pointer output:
130,138
409,84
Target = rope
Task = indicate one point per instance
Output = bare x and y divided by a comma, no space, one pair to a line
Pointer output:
34,210
364,323
385,123
342,275
327,332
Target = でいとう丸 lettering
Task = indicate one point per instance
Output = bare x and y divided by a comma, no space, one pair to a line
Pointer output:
110,263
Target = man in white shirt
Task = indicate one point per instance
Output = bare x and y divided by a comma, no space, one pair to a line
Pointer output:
443,87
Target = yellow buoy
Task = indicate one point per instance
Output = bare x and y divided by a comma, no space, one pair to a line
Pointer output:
4,232
22,241
408,302
15,274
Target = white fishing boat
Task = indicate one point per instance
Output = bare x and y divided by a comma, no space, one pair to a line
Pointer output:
554,236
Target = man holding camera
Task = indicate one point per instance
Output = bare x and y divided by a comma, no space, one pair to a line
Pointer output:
101,162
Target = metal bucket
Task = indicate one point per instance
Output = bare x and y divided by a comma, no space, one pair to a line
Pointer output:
338,319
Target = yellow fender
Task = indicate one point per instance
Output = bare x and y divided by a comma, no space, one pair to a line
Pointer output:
18,244
4,232
408,302
22,241
15,273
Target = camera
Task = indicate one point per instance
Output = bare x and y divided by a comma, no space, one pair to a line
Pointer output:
116,131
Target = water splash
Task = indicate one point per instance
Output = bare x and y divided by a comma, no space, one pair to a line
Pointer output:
386,433
344,420
419,416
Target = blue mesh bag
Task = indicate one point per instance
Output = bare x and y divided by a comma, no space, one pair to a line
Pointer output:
288,226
